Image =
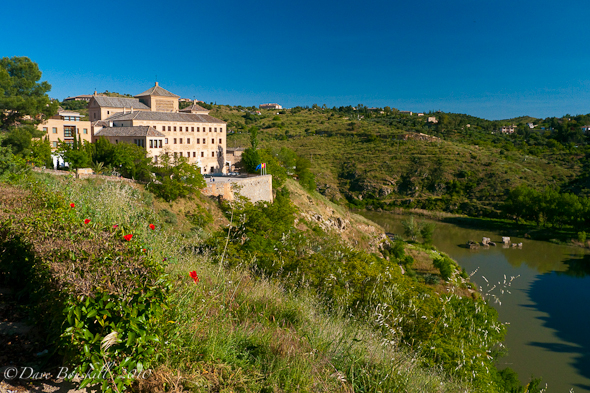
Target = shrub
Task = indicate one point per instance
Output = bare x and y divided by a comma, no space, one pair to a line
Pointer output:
445,265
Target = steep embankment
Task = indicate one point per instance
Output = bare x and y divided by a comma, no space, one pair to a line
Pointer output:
225,330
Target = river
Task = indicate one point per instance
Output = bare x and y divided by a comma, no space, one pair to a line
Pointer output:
547,305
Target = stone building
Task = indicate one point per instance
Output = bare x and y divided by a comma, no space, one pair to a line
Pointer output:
153,121
270,106
64,127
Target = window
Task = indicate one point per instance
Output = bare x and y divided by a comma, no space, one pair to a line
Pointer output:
212,154
156,159
54,130
202,154
220,141
174,154
180,154
194,154
212,140
174,128
220,129
151,143
188,140
163,128
108,113
175,141
198,129
192,129
198,141
215,129
44,129
85,130
161,143
54,144
116,141
69,131
209,129
180,141
186,129
212,169
169,128
165,141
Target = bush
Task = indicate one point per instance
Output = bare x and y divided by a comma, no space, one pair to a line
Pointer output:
445,265
168,216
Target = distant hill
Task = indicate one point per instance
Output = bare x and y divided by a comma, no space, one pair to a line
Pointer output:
522,119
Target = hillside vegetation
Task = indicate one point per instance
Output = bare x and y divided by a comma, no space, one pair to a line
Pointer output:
278,302
373,160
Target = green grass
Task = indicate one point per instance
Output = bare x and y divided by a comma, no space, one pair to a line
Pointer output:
237,331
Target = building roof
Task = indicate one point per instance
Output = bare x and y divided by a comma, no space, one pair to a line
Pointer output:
166,116
129,131
195,108
157,91
120,102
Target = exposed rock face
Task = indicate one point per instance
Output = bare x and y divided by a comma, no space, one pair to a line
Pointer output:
331,223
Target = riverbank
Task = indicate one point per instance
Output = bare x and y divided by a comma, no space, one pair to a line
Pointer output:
562,236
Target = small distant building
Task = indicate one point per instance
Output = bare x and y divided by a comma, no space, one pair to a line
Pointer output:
406,112
508,129
269,106
64,127
530,125
432,119
420,114
81,97
585,128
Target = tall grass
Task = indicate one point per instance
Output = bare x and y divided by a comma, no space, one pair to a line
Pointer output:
236,330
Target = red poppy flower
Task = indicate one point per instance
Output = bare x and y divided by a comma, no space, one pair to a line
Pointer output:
115,226
72,205
128,237
194,276
152,227
86,221
143,249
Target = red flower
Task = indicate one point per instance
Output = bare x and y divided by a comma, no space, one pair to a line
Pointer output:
144,250
194,276
72,205
115,226
152,227
128,237
86,221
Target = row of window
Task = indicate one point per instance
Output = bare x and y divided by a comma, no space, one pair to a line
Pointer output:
178,141
188,154
173,128
69,131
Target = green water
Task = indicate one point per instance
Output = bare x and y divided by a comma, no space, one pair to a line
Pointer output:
547,306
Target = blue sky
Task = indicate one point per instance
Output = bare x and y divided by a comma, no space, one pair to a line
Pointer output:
494,59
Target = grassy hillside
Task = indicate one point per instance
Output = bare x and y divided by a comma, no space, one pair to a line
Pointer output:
389,160
241,326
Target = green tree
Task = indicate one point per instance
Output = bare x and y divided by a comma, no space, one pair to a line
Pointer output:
254,137
250,159
176,179
22,97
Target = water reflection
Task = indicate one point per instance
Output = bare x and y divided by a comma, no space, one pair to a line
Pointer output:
549,305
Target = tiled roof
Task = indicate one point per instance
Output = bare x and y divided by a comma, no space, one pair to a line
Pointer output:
166,116
119,102
129,131
194,108
157,91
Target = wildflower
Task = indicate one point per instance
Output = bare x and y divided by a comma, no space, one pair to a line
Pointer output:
194,276
152,227
128,237
86,221
72,205
115,226
144,250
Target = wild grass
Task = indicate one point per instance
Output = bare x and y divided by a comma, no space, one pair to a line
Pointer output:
236,330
